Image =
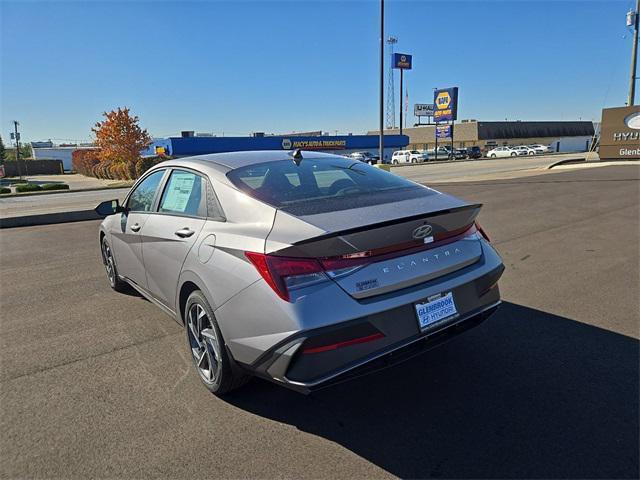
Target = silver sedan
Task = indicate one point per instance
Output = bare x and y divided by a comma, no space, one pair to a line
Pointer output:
299,267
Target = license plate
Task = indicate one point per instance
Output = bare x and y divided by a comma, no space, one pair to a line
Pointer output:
436,309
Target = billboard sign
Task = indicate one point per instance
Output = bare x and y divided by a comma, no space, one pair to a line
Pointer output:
315,144
402,61
446,103
423,109
444,131
620,133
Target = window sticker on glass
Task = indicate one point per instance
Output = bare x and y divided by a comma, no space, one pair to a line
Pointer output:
178,191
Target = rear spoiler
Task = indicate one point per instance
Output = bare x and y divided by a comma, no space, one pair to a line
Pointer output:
376,236
473,209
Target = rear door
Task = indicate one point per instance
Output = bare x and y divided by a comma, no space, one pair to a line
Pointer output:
171,232
126,235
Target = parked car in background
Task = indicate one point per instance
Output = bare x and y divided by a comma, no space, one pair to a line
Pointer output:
474,152
459,153
541,149
443,153
366,157
299,267
408,156
502,152
525,150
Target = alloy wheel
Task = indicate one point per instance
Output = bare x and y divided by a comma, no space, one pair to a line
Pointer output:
204,343
107,259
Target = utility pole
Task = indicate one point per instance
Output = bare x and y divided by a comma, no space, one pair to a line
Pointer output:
381,126
634,55
17,135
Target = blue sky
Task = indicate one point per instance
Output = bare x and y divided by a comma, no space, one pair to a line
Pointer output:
237,67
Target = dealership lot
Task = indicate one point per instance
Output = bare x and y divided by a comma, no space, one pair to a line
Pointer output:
98,384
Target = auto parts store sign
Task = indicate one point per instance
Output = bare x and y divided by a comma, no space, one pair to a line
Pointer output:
620,133
446,102
288,144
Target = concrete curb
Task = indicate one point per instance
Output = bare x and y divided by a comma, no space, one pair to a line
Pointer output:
49,218
566,161
51,192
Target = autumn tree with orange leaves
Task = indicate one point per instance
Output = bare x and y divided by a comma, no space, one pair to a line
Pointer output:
120,140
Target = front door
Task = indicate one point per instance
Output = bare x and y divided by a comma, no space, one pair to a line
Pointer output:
171,232
126,235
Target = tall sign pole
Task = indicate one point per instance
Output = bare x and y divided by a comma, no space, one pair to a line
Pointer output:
435,129
634,54
17,136
401,76
381,125
401,61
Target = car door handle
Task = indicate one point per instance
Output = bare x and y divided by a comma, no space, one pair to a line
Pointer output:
185,232
135,227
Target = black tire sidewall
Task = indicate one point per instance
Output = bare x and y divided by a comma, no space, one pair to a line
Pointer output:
117,284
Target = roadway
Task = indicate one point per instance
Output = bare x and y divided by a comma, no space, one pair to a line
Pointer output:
430,172
99,384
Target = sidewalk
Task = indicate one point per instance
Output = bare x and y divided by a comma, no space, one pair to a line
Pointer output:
24,210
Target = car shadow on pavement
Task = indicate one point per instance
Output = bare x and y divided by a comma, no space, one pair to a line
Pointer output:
527,394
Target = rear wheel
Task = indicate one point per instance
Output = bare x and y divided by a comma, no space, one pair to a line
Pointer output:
110,267
514,154
213,364
493,155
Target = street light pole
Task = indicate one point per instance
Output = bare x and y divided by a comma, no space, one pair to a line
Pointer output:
634,56
381,126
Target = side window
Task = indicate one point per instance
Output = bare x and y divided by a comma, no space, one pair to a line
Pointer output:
214,210
185,194
141,200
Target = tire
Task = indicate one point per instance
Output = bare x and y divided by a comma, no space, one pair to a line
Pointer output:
532,153
110,266
493,155
514,154
225,375
395,162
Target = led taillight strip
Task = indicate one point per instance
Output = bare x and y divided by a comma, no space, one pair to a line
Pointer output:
345,343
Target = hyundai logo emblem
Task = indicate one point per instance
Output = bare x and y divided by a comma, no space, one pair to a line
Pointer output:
422,231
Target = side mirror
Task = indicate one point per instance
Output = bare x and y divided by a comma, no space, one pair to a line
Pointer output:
109,207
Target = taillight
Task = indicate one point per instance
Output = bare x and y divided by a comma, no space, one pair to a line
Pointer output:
285,273
482,232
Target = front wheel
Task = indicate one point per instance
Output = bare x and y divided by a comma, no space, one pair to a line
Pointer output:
213,364
110,267
532,153
493,155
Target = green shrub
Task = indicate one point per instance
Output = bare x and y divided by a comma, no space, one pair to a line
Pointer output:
28,187
5,190
55,186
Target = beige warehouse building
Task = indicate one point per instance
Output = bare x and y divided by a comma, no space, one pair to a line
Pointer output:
561,136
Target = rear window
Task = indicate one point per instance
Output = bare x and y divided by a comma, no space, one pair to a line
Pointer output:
320,185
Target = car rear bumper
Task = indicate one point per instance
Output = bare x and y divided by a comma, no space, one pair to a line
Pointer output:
289,364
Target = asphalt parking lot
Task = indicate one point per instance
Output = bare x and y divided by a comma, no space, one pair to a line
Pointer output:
99,384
